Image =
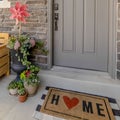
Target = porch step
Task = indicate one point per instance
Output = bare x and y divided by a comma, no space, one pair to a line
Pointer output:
99,84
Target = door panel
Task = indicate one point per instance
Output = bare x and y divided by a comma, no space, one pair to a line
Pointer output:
89,26
81,40
68,27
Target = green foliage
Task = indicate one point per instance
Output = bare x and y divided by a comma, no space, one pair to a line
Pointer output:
34,69
20,84
21,91
24,48
23,75
11,42
40,45
13,85
23,39
44,52
29,77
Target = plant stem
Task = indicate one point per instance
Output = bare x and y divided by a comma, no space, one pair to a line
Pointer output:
19,29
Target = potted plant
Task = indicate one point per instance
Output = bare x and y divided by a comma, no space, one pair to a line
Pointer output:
19,44
34,69
41,51
22,94
20,55
20,84
40,48
31,80
13,87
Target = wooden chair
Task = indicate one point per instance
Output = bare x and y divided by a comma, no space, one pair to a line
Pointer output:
4,54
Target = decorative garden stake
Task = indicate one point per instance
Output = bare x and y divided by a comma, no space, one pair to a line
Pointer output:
20,44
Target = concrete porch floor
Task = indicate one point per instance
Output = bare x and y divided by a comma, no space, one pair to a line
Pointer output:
98,83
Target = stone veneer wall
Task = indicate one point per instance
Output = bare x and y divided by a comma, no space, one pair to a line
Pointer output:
118,39
36,24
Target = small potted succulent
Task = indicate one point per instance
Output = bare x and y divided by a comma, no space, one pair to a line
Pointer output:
13,87
22,94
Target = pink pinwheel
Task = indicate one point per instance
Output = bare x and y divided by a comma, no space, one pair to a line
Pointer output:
19,13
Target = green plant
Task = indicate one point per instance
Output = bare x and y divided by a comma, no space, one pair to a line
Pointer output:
20,84
22,44
44,51
34,69
40,45
11,42
29,77
21,91
13,85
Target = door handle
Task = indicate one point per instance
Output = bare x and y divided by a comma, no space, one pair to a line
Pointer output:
56,18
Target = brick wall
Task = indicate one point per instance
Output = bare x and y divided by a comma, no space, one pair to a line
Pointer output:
36,24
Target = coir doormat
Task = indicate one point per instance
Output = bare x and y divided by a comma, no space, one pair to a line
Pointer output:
70,105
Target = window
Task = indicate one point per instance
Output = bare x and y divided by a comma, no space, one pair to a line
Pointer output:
4,4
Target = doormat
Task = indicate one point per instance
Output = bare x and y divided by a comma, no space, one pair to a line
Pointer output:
71,105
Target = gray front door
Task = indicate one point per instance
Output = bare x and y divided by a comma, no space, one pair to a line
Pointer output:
81,34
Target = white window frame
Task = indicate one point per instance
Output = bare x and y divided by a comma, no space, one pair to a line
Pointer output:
4,4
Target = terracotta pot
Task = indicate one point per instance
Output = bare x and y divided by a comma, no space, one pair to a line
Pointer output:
22,98
31,89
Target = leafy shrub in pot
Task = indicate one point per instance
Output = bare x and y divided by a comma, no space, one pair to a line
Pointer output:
31,80
12,87
22,94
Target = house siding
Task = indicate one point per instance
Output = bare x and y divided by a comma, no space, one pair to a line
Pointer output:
36,24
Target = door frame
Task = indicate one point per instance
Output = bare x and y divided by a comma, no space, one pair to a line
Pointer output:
112,36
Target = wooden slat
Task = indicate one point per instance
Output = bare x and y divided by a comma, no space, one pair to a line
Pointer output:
4,38
4,54
3,61
4,69
4,51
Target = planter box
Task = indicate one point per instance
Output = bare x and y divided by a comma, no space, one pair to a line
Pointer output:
4,60
42,59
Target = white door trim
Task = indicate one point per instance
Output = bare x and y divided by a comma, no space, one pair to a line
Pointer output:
50,32
112,37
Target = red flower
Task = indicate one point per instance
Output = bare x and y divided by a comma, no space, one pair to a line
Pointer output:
19,12
27,73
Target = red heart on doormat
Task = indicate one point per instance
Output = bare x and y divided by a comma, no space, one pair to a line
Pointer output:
70,103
